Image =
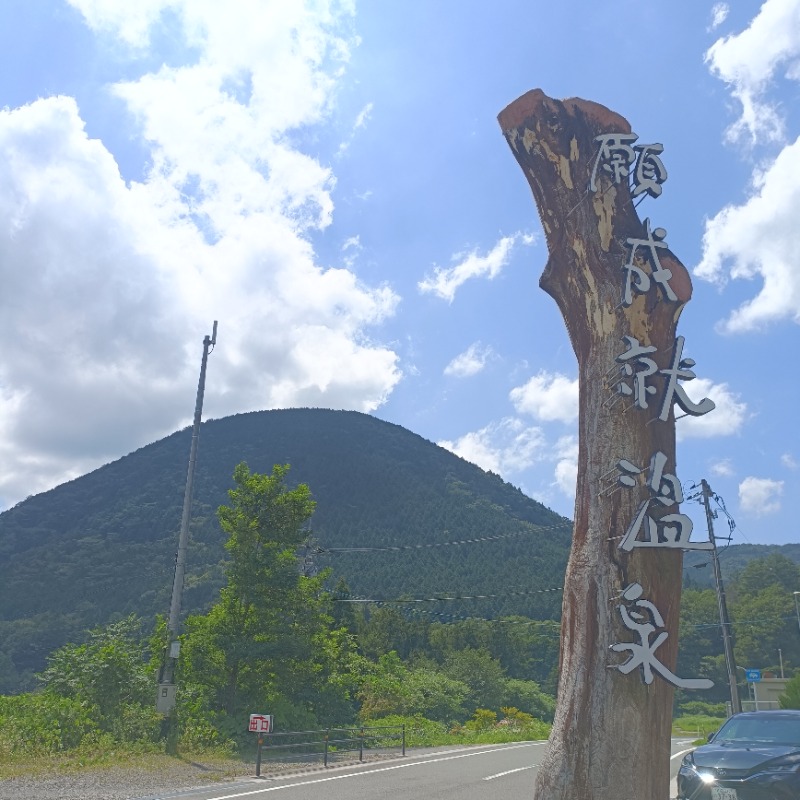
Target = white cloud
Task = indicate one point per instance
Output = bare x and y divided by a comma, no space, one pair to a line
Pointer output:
789,461
719,13
724,468
725,420
748,61
130,22
351,249
470,362
505,448
446,281
760,238
361,121
760,496
110,286
548,397
566,471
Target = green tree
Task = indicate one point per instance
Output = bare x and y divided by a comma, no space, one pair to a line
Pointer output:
774,569
529,698
483,674
791,695
763,623
700,642
391,686
268,644
111,675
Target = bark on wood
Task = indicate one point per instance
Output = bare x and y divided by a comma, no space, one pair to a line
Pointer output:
611,735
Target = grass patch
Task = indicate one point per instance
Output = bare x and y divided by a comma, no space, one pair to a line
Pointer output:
219,764
421,732
697,725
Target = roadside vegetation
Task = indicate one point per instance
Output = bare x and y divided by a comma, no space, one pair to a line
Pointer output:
274,642
277,641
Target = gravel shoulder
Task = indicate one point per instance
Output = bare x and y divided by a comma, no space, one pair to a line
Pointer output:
160,777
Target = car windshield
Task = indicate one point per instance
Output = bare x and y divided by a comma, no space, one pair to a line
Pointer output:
764,729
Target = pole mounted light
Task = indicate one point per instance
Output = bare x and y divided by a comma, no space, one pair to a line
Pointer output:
167,688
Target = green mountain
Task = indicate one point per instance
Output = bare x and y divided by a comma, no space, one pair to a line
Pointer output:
397,516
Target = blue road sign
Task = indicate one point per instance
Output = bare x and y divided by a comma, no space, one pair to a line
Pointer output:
753,675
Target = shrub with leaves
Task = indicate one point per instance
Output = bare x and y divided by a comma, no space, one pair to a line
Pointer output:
43,724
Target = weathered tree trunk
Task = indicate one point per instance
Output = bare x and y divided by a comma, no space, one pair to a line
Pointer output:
611,735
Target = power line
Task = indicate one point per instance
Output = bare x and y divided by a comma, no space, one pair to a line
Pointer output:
438,599
427,545
501,621
736,622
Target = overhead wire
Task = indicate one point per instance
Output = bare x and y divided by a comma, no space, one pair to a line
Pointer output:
458,542
398,600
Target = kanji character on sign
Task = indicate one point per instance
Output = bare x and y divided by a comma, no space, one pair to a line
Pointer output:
614,157
680,370
650,172
644,620
636,277
668,530
636,355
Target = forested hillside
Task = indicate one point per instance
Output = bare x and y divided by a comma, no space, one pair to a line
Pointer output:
396,517
102,546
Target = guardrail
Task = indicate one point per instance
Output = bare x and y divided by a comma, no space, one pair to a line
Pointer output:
329,745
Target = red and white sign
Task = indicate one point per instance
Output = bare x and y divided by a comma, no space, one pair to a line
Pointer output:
260,723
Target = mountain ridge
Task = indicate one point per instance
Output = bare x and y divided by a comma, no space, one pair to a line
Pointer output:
102,546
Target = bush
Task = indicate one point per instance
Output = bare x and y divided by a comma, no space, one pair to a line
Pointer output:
791,696
697,707
527,696
482,720
43,723
699,724
136,723
513,716
420,732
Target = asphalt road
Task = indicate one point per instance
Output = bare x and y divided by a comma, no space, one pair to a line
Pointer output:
471,773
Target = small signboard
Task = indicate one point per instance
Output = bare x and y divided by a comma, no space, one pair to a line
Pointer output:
260,723
753,675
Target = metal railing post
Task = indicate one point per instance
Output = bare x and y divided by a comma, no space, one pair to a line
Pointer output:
361,744
404,738
327,734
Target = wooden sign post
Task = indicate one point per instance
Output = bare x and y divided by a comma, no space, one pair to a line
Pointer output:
620,291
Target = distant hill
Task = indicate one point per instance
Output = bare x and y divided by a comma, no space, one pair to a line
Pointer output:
103,545
697,572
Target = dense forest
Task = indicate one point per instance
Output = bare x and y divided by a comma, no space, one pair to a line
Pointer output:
389,506
277,639
286,634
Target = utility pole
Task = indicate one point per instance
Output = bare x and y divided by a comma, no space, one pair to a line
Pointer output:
730,662
797,608
165,699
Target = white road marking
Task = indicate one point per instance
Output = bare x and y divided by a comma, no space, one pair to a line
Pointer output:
372,771
509,772
681,752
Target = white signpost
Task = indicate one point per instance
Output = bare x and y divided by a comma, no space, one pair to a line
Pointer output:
260,724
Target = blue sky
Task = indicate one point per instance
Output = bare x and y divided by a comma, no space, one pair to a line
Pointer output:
329,181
